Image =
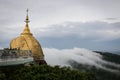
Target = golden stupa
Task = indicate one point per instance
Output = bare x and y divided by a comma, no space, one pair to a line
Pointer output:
26,41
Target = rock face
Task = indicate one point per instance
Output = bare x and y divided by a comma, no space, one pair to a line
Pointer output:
26,41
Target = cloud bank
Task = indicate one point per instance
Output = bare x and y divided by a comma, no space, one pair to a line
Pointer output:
97,30
97,35
104,35
82,56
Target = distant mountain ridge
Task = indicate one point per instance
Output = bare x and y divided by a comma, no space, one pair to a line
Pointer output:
101,74
110,56
111,52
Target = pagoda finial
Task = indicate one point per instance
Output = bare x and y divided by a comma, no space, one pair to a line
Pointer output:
26,29
27,19
27,10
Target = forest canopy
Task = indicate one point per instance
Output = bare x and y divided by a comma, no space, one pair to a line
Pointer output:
43,72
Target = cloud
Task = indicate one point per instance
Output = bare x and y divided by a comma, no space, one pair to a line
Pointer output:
89,30
1,47
111,18
104,36
82,56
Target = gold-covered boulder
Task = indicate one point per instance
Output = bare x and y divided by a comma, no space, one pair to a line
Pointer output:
26,41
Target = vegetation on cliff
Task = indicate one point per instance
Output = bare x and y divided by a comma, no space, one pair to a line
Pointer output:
43,72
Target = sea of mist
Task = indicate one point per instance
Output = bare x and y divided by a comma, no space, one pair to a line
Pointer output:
82,56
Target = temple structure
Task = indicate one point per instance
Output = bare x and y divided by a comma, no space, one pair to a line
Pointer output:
26,41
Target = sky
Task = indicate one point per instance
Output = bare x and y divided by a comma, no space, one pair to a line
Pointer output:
63,24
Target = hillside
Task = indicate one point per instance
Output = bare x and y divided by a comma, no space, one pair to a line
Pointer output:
101,74
43,72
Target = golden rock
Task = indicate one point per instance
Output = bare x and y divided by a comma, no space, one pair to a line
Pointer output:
26,41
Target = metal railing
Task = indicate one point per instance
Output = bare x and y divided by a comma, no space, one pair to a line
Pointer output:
14,56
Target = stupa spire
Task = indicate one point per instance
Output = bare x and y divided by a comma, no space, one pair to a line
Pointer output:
26,29
27,19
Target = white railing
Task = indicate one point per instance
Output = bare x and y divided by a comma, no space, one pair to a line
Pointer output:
13,56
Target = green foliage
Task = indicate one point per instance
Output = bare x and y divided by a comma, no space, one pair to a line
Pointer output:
46,72
2,76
